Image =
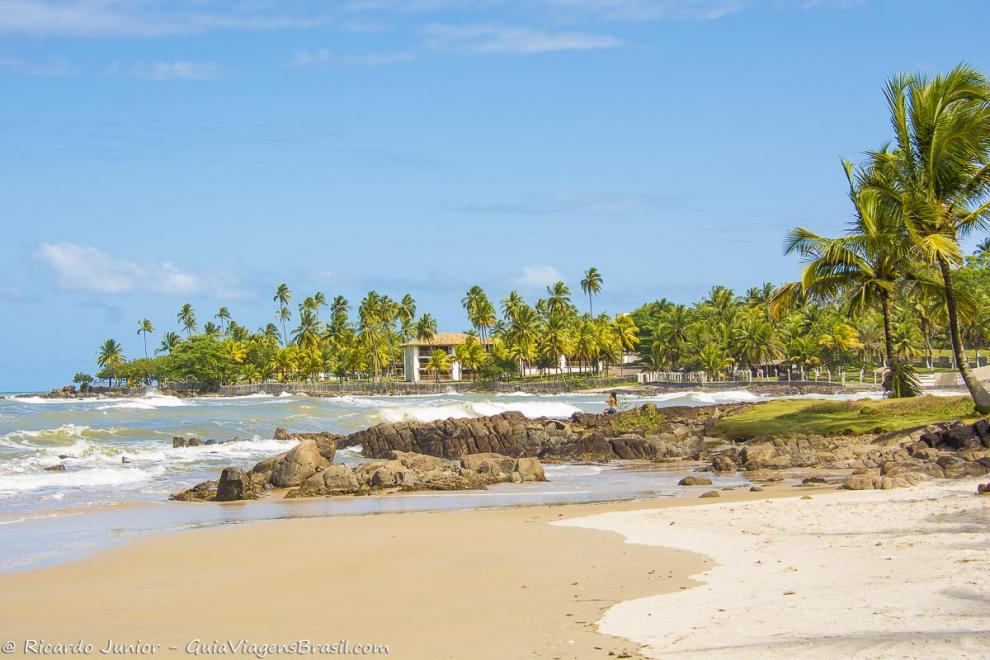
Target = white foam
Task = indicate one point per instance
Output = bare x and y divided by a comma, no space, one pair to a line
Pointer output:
147,402
78,478
466,409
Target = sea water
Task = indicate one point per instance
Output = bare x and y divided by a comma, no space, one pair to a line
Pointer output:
120,466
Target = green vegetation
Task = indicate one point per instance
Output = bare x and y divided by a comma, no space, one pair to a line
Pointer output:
650,422
790,417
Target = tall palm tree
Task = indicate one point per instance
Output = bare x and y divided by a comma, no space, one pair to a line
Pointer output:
223,315
439,361
283,294
938,176
309,331
111,358
426,329
559,300
866,265
187,318
407,313
511,303
983,248
145,328
592,286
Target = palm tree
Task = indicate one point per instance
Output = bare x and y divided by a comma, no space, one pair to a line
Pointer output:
187,318
407,313
439,361
111,358
983,248
145,328
426,329
169,341
937,176
867,265
626,333
592,286
308,333
223,315
559,300
282,296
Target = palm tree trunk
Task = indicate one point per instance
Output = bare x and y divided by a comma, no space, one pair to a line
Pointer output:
888,335
145,345
981,398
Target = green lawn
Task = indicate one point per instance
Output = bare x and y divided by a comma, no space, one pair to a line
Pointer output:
788,417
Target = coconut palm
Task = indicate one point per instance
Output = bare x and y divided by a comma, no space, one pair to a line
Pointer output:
223,315
169,341
187,318
426,329
111,358
592,286
282,296
937,175
559,299
309,331
627,335
867,265
439,362
145,328
211,328
511,303
983,248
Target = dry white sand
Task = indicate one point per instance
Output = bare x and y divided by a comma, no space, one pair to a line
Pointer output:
877,574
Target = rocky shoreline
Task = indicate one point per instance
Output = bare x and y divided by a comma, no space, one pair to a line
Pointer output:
459,454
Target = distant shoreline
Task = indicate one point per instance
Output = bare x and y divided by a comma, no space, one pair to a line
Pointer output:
549,387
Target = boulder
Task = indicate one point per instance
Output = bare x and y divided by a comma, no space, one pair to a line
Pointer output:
235,484
298,464
724,463
695,481
334,480
489,463
178,442
710,493
58,467
529,469
758,456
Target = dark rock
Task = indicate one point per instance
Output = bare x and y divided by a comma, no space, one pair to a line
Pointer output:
193,442
178,442
235,484
814,480
201,492
55,468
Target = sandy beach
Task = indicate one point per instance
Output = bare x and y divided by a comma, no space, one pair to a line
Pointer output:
872,574
500,583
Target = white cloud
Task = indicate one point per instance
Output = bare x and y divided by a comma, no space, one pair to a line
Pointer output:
168,70
81,268
324,56
36,68
489,38
149,18
652,10
534,277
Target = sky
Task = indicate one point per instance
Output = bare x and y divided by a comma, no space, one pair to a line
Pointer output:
162,152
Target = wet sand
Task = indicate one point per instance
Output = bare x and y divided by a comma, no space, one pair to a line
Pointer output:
500,583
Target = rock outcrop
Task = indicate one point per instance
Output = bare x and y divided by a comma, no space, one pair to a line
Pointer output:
311,474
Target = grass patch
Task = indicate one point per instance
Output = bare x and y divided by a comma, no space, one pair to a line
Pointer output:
650,422
783,418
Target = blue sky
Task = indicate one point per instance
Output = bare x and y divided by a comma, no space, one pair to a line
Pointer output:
156,153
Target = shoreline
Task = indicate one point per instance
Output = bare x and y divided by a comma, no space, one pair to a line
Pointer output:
402,389
502,582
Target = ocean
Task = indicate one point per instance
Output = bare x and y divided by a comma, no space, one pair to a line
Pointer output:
120,466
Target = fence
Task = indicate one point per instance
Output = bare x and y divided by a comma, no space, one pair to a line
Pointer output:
326,388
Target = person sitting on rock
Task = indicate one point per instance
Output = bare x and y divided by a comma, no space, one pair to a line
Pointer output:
611,404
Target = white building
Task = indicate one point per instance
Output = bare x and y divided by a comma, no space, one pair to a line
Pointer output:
416,354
